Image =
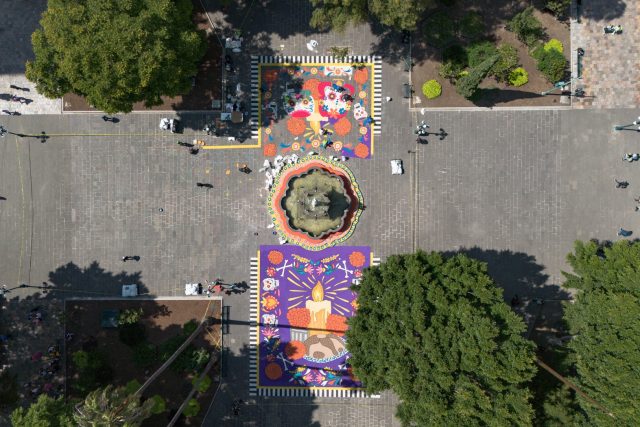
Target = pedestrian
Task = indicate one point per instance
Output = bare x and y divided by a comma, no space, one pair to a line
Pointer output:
194,150
515,301
126,258
204,185
245,169
624,233
621,184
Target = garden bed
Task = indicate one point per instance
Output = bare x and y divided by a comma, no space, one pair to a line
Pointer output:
444,28
164,322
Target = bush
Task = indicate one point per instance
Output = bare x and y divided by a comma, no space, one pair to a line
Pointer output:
449,71
518,77
130,316
552,64
479,52
132,386
554,44
93,371
455,54
189,327
526,27
204,385
439,29
472,26
431,89
558,7
507,62
199,358
468,85
537,51
132,334
159,404
192,408
144,355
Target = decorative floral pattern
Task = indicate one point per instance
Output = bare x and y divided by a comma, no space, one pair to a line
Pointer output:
334,100
302,340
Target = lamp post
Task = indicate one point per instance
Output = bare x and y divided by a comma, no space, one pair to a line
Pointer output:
556,86
623,127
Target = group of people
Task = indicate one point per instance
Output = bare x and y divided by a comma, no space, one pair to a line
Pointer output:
624,184
50,367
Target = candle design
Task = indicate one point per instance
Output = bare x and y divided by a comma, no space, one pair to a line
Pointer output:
319,310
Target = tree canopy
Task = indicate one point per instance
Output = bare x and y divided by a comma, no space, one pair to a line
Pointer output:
437,332
44,412
605,322
116,52
112,406
337,14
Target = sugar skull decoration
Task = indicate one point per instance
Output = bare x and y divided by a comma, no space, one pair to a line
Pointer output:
270,319
359,112
335,101
299,105
270,284
338,71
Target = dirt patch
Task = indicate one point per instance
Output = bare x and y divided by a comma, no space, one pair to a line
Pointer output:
495,13
163,320
208,82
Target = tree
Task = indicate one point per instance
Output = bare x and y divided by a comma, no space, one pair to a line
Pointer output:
112,407
44,412
130,316
337,14
468,85
526,27
507,62
604,319
114,52
437,332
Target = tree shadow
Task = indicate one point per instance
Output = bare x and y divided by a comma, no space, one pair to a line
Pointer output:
489,97
254,410
93,280
602,11
25,18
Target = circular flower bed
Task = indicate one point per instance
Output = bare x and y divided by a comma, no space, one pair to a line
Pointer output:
431,89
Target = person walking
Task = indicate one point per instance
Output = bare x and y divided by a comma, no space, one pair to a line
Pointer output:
621,184
624,233
204,185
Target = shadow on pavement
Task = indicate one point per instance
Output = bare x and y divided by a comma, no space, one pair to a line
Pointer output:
92,281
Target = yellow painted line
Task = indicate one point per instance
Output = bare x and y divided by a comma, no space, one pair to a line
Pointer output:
314,64
227,147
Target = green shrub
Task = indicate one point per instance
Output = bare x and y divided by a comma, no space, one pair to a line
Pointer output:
559,8
526,27
554,44
468,85
472,26
456,54
449,71
431,89
199,358
130,316
480,51
204,385
132,334
537,51
439,29
159,404
93,371
518,77
132,386
144,355
192,408
189,327
507,62
553,65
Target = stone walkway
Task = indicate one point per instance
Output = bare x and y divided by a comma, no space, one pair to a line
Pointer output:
610,72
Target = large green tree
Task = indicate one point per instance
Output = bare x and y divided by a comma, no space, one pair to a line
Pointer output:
44,412
437,332
113,407
467,86
116,52
337,14
605,321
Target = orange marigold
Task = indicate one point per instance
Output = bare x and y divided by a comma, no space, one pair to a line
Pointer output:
275,257
342,126
295,350
357,259
296,126
270,150
311,85
273,371
336,324
299,317
361,75
361,151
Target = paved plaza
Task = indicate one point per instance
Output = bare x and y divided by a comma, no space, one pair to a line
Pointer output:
514,188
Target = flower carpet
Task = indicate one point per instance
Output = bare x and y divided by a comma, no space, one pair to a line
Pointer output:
301,301
315,104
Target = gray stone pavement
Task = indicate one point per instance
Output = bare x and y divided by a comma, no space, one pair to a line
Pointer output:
610,73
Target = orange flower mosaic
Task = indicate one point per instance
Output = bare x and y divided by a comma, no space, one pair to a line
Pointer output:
296,126
275,257
357,259
361,151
